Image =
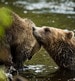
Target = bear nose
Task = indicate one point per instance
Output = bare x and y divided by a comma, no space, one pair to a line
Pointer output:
33,28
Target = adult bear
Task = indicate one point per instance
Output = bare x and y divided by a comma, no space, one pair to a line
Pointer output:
59,43
21,42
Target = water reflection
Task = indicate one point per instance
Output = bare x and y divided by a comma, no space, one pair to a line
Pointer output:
53,74
63,75
45,6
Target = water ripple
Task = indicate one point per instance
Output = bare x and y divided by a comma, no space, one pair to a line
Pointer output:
66,7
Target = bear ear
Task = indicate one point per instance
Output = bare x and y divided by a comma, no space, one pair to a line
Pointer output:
69,34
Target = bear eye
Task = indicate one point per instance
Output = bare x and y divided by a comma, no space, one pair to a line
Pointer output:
47,30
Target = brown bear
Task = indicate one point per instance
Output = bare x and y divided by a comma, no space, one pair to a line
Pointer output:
21,44
5,52
59,43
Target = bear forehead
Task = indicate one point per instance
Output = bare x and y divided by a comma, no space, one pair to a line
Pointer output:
59,32
56,30
52,28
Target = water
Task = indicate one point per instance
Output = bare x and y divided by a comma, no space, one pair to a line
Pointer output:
56,13
44,6
47,73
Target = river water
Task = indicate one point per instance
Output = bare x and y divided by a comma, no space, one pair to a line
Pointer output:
56,13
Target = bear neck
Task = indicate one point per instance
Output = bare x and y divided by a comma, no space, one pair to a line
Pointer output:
63,53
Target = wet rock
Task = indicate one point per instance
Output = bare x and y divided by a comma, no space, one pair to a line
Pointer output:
19,78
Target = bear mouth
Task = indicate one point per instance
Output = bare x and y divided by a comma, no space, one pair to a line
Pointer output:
38,38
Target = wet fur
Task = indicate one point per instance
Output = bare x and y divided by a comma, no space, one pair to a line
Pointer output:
20,40
59,44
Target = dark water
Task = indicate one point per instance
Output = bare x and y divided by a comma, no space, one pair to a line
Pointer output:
56,13
47,73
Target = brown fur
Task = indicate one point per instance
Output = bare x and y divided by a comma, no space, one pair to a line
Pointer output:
5,54
60,44
21,42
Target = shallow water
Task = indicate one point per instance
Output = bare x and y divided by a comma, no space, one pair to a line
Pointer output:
56,13
44,6
47,73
